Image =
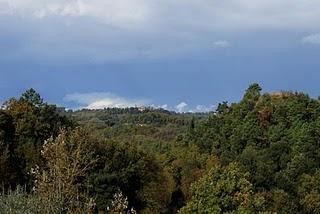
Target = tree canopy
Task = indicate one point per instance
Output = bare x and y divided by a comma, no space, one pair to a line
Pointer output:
259,155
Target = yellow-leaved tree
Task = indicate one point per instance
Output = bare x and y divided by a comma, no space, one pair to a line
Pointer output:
68,159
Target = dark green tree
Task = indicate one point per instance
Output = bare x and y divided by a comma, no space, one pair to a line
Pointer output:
124,168
32,97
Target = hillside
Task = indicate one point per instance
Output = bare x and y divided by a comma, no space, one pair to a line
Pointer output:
260,155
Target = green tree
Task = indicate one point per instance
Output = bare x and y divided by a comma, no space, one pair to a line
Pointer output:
124,168
34,122
223,190
32,97
309,192
11,165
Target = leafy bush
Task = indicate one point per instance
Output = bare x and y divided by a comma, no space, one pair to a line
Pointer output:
20,202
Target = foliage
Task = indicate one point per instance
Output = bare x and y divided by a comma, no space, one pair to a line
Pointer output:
123,167
120,204
223,190
68,158
28,123
309,192
274,136
261,154
20,202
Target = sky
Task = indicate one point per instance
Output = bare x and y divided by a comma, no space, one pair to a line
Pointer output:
182,55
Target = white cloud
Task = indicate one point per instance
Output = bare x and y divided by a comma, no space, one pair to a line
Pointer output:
99,100
182,107
312,39
203,108
165,106
221,44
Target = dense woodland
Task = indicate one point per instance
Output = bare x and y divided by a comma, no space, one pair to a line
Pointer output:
260,155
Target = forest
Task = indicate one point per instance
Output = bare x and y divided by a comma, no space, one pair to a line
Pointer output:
259,155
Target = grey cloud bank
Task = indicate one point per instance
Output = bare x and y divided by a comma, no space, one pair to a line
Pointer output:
95,31
207,14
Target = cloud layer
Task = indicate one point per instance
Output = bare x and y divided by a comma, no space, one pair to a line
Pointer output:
206,14
95,31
